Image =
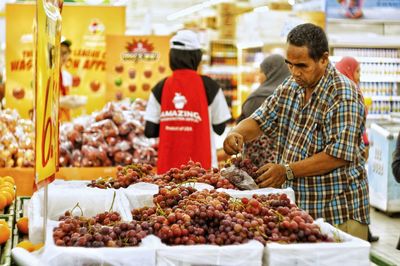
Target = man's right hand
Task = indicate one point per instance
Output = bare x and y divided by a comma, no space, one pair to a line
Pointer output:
233,143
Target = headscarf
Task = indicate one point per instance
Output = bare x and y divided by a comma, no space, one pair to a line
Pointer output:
347,66
276,71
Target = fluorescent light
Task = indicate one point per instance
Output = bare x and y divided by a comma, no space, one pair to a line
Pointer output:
261,9
193,9
292,2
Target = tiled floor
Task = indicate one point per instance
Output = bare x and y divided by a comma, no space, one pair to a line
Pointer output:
388,230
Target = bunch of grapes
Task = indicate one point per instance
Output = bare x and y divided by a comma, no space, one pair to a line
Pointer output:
245,165
102,230
126,176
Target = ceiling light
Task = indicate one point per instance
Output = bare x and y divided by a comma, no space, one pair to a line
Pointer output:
193,9
291,2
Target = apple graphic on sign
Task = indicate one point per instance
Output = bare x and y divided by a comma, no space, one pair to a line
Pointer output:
132,73
18,93
148,73
76,80
119,95
118,82
95,85
161,69
146,87
119,68
132,87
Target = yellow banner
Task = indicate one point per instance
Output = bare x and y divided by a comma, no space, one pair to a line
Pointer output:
47,73
135,64
86,27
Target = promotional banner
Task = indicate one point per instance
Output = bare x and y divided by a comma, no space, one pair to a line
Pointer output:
135,64
86,28
47,73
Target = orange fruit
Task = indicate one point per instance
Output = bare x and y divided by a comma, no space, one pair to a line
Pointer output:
4,234
23,225
3,202
9,189
4,222
26,245
7,195
8,179
7,185
38,246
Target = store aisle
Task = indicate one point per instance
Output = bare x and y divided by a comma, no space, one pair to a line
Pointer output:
388,230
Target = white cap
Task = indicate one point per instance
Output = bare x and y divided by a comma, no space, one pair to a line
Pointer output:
185,40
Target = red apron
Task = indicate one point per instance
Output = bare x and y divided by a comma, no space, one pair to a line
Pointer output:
184,122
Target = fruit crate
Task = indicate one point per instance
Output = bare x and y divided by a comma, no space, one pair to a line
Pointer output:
5,249
21,210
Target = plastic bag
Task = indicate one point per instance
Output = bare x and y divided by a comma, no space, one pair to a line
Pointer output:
239,178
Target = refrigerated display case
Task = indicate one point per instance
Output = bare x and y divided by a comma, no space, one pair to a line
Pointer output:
383,188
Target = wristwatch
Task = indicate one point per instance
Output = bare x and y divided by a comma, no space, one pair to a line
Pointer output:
289,173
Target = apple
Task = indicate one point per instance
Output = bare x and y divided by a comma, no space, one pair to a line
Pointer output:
132,73
118,82
119,95
76,80
148,73
119,68
95,85
19,93
132,87
161,69
146,87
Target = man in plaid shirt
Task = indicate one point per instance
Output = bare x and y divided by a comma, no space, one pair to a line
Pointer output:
317,118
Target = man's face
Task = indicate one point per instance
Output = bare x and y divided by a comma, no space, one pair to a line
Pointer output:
65,52
303,68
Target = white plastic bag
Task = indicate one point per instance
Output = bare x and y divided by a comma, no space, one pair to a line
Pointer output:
249,254
349,252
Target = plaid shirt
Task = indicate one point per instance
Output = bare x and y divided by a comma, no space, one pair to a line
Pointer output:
331,121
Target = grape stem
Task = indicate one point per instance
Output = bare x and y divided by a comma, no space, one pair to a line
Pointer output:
112,203
77,206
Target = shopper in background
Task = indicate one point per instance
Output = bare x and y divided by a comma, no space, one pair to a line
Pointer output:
350,67
396,160
273,71
65,79
317,117
184,108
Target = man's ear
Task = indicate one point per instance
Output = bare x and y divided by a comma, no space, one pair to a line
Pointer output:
325,58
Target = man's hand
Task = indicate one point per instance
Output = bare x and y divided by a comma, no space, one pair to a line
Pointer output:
233,143
272,175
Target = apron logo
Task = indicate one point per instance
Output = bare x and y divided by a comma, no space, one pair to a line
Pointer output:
179,100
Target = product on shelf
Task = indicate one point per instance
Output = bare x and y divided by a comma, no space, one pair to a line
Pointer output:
17,138
113,136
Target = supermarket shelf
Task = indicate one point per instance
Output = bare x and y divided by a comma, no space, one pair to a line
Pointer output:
378,116
383,97
379,78
368,59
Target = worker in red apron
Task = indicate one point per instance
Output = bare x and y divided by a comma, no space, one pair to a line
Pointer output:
185,108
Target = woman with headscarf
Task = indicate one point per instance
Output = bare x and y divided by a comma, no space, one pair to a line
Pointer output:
350,67
273,72
184,108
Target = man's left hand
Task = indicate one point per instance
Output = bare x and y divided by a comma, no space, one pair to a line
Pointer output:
272,175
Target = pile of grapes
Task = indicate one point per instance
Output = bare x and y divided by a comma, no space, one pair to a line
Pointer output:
243,164
191,172
183,216
103,230
126,176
